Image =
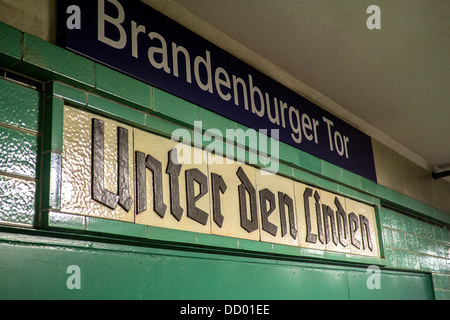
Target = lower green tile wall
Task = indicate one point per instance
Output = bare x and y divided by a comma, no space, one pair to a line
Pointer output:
36,268
415,242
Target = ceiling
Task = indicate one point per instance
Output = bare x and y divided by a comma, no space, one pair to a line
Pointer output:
396,79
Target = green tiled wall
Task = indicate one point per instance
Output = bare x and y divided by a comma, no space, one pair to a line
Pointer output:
17,200
417,239
414,244
20,108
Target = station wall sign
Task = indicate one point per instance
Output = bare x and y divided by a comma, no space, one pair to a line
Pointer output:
114,171
135,39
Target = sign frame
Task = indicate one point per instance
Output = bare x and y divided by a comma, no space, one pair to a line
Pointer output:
53,218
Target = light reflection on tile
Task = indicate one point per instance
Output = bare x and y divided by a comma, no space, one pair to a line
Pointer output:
77,166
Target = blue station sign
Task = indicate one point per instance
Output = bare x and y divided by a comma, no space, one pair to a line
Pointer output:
131,37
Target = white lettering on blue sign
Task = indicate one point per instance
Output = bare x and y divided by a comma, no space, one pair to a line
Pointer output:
135,39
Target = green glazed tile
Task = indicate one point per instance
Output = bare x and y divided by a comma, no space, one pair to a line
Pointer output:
285,250
51,181
304,177
308,162
123,87
328,185
178,110
331,171
115,110
398,239
20,106
287,153
312,253
115,227
351,179
170,235
251,245
50,61
17,201
163,126
347,191
217,241
383,192
368,186
388,237
19,152
337,256
364,197
69,93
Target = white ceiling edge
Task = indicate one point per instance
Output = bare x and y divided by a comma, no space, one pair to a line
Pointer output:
183,16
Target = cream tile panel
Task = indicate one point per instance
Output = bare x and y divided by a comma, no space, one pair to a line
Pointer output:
159,148
330,225
275,184
328,230
231,226
368,212
77,166
304,203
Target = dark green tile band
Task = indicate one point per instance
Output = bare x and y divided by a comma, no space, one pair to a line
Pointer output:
113,227
17,201
116,111
105,227
46,62
119,86
68,93
175,109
